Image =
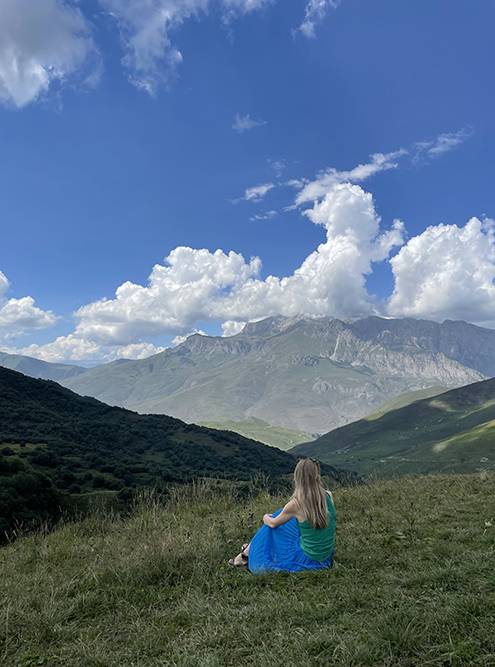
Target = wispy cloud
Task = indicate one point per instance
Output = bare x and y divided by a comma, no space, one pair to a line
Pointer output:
278,166
315,12
266,215
326,180
444,143
421,151
257,192
244,122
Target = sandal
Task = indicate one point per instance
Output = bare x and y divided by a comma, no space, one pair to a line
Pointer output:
233,562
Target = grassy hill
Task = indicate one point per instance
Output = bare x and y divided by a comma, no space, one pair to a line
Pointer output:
259,430
412,585
54,443
407,398
453,432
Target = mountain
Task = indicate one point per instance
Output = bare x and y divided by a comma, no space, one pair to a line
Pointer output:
452,432
39,369
53,441
257,429
307,375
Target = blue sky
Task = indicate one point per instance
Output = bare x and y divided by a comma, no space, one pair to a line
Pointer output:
118,154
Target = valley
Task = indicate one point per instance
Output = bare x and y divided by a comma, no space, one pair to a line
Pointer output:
451,432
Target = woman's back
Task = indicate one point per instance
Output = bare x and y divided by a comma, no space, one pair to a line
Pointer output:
318,543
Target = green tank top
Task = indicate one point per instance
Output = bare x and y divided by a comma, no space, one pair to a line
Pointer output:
318,543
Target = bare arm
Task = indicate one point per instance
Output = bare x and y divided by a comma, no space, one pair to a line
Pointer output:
288,513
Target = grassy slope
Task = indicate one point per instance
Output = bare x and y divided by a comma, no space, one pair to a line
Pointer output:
413,585
407,398
77,430
259,430
454,432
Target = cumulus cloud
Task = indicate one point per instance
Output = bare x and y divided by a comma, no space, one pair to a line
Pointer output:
231,328
178,294
73,348
18,316
331,280
41,43
199,285
315,12
447,272
242,123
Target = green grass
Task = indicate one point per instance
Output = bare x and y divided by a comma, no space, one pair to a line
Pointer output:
450,433
413,585
407,398
259,430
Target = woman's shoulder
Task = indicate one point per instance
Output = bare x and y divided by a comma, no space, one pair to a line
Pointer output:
291,505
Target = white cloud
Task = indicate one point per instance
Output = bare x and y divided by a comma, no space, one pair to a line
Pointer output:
447,272
235,7
199,285
331,280
182,338
267,215
326,180
178,294
231,328
146,27
312,190
278,166
242,123
18,316
41,42
72,348
257,192
444,143
315,12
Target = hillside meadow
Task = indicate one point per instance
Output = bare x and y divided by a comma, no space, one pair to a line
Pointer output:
413,584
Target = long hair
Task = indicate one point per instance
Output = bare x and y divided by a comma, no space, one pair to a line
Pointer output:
310,494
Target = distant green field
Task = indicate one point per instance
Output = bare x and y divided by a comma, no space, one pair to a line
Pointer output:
259,430
412,585
452,432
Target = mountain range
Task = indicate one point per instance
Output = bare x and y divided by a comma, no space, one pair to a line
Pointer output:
36,368
306,375
449,433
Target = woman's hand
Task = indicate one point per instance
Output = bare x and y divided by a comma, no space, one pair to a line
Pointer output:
267,520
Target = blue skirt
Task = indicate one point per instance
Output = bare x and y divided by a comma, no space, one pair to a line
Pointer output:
279,550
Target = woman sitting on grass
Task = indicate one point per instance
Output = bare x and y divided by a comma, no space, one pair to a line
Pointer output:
301,535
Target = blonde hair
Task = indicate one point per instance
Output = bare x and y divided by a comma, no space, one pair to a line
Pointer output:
310,494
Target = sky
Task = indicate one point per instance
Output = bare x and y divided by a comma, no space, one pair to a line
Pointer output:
172,166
